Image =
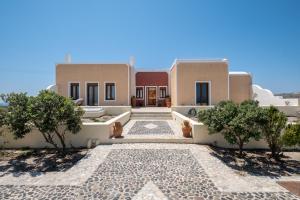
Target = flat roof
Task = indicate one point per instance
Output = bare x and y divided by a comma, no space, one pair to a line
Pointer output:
239,73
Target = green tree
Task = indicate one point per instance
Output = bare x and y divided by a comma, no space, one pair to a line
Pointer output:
237,122
2,119
291,136
55,115
17,117
272,123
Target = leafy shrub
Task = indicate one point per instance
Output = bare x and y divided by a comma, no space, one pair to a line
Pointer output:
272,123
237,122
53,115
291,136
17,116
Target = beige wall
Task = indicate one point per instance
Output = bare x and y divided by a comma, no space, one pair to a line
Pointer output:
201,135
240,87
173,85
90,131
190,72
101,73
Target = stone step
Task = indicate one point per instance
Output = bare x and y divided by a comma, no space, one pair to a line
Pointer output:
151,112
152,140
150,115
151,118
154,116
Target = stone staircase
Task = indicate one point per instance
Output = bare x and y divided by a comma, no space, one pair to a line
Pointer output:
156,115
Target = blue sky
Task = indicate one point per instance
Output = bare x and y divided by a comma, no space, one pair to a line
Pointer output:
261,37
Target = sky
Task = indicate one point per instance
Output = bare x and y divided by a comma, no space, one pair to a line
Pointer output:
257,36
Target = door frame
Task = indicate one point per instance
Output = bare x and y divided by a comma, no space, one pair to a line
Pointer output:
209,91
86,92
146,99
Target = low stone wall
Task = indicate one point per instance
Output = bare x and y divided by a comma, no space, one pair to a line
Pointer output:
290,111
100,131
201,135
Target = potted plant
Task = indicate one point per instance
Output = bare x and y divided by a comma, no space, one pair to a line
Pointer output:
168,101
117,129
186,128
133,101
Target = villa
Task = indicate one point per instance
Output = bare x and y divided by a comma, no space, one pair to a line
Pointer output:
186,82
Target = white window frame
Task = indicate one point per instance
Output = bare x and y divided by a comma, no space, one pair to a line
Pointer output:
159,91
209,91
86,98
106,82
143,92
69,88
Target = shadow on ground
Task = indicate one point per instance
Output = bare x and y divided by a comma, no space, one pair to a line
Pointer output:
257,163
36,162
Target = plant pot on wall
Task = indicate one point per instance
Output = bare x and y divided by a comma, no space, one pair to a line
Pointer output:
186,129
133,101
117,129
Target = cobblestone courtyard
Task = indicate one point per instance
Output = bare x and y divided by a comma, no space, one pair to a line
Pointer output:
143,171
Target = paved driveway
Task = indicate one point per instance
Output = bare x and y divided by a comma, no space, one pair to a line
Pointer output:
143,171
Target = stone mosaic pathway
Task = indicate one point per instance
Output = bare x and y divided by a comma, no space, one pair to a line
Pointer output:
151,128
145,171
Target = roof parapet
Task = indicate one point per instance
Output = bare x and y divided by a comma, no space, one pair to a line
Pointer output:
200,60
217,60
239,73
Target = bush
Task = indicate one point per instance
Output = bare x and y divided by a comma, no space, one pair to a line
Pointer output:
2,119
55,115
51,114
237,123
272,123
17,117
291,136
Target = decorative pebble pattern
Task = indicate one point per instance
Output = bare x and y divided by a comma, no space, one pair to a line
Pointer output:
39,192
130,173
154,128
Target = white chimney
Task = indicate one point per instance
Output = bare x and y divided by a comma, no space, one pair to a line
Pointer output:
68,58
132,61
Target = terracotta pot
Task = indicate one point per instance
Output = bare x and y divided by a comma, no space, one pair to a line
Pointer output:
186,129
117,129
133,101
168,102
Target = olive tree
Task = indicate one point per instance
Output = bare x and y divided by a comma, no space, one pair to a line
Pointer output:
2,119
291,136
272,123
55,116
238,123
17,117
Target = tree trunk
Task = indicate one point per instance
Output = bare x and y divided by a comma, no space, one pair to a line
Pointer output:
275,150
241,144
49,140
62,141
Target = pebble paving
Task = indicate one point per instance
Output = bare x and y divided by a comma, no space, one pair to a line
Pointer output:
175,173
155,128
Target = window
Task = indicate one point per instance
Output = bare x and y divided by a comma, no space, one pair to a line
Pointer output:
162,92
74,91
139,92
202,93
110,91
92,94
